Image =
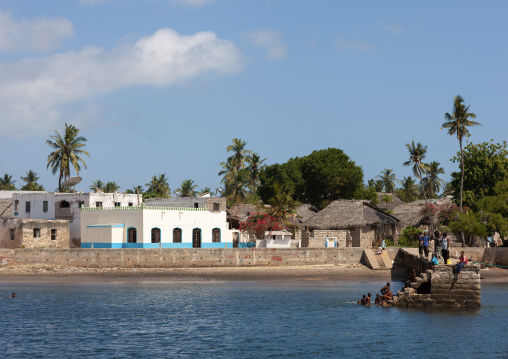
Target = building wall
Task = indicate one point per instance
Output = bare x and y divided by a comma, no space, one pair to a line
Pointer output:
318,240
190,202
24,233
144,220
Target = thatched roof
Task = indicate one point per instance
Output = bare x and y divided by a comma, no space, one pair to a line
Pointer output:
388,205
410,214
350,213
303,213
243,211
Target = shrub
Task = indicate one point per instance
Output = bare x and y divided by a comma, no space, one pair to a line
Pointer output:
409,237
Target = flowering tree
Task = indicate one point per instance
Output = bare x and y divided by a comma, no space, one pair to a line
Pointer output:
259,223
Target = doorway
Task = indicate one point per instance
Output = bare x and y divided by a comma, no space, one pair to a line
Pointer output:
196,238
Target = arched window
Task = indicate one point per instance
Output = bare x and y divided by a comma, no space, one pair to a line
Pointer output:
177,235
64,204
216,235
156,235
131,235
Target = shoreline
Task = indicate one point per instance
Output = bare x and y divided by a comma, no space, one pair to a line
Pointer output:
310,273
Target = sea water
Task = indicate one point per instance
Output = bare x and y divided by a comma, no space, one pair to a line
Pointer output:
240,320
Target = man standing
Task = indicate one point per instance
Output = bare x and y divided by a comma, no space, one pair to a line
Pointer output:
444,247
425,243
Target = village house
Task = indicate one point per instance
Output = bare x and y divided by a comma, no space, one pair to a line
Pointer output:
34,233
154,227
67,206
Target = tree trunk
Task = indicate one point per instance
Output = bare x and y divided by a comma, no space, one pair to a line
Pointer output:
461,186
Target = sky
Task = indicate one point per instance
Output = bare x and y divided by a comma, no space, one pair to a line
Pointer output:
163,86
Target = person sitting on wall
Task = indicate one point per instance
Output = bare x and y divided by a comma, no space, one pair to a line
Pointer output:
462,262
434,260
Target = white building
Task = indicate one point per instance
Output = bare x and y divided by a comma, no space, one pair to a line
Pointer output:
51,205
154,227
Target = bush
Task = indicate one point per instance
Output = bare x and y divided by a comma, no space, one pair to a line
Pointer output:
409,237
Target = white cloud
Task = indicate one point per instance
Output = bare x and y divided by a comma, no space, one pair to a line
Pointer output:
353,45
35,93
396,29
270,41
39,34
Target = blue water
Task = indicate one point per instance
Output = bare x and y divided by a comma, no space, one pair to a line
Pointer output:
239,320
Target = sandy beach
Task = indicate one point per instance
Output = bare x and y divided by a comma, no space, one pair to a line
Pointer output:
356,272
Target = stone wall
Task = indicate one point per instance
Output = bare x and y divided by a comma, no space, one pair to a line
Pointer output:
25,237
168,258
496,256
318,241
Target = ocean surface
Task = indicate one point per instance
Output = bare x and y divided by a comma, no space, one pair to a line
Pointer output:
240,320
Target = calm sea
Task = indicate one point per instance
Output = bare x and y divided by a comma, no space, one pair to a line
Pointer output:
240,320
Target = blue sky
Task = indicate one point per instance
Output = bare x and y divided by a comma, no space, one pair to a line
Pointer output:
163,86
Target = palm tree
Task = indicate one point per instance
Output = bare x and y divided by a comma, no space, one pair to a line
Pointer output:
234,188
416,156
409,191
239,153
31,182
386,199
187,189
282,205
135,189
111,187
432,184
97,184
376,185
6,183
388,179
159,186
457,124
67,150
255,165
205,190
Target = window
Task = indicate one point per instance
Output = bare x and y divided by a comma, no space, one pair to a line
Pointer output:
216,207
177,235
64,204
130,204
16,205
216,235
45,206
81,204
117,204
98,204
53,234
37,232
13,235
196,205
131,234
27,207
156,235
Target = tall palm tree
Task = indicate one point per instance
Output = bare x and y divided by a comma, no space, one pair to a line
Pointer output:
282,204
255,165
205,190
67,151
376,185
409,191
416,156
7,183
187,188
97,184
235,187
239,153
159,186
135,189
457,124
432,184
111,187
388,179
31,182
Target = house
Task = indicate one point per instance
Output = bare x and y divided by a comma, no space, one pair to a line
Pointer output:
351,223
212,204
51,205
34,233
154,227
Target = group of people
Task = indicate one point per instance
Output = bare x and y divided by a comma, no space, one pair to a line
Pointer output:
442,241
382,299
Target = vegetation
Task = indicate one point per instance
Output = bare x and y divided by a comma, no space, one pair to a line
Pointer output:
31,182
387,177
409,237
187,189
431,183
386,199
67,152
409,190
159,187
7,183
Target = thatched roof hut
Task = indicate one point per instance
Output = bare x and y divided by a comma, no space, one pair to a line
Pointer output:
303,213
388,205
410,214
243,211
343,214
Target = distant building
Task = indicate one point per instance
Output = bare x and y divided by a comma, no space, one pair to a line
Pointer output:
34,233
212,204
51,205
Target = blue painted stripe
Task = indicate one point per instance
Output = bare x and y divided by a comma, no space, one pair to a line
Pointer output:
154,245
176,245
107,225
101,245
217,245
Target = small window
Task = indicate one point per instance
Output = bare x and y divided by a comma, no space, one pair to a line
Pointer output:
53,234
131,235
156,235
27,207
13,235
216,207
177,235
16,205
117,204
81,204
37,232
196,205
216,235
44,206
98,204
130,204
65,204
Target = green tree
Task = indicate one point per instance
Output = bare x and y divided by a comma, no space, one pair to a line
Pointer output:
159,186
255,164
135,190
457,124
234,190
386,199
387,177
282,205
97,184
67,152
431,183
408,191
205,190
376,185
417,154
240,154
31,182
485,165
111,187
187,189
7,183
